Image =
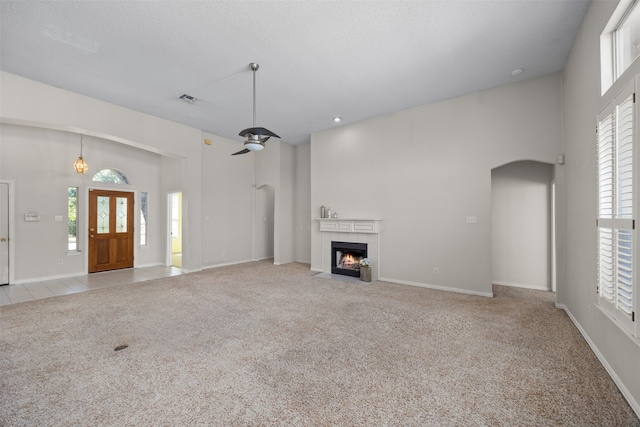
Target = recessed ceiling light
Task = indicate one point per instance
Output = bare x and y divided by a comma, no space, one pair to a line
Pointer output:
337,119
517,72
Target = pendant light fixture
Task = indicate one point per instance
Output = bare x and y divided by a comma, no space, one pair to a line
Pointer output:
80,165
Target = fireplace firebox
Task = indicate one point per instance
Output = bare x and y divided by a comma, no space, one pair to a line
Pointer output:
346,256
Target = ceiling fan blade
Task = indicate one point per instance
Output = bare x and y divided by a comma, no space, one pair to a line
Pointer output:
258,131
265,139
246,150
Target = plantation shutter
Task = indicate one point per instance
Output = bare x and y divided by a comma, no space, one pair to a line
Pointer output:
616,235
624,151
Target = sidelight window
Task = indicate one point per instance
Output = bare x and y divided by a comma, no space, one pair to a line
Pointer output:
144,214
72,218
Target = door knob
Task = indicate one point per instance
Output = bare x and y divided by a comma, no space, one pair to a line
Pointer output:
91,235
91,229
3,239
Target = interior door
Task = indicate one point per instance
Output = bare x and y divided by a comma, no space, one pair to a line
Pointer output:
110,230
4,234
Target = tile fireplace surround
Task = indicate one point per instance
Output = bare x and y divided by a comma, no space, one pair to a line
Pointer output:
355,231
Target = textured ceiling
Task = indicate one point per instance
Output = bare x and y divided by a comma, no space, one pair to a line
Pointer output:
318,59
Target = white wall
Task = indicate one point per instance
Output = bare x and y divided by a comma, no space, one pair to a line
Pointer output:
521,224
302,202
218,189
28,154
285,206
577,280
265,220
275,166
27,102
424,170
227,202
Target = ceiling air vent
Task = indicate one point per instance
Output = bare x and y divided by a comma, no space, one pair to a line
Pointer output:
188,98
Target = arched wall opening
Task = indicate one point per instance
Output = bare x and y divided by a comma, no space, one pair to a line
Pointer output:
522,225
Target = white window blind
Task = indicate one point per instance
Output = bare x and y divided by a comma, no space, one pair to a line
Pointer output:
616,233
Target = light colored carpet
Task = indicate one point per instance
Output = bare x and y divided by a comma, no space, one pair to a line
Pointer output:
257,344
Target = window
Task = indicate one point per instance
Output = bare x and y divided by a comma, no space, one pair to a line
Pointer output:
627,40
616,234
619,42
111,175
144,199
72,218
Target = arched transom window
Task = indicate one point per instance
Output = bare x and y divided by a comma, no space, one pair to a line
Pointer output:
113,176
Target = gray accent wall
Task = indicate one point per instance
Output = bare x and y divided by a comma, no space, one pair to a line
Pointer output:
619,353
424,171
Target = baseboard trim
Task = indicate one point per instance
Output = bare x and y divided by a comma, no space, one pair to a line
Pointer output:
226,264
79,274
157,264
625,392
521,285
436,287
45,278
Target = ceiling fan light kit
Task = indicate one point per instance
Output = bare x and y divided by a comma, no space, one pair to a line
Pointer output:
253,146
256,136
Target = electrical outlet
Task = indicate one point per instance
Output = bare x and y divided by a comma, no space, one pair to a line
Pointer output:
436,270
472,220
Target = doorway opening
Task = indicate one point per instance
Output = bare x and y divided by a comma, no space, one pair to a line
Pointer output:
522,215
175,229
5,225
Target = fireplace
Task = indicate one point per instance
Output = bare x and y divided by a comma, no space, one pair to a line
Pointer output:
346,256
365,231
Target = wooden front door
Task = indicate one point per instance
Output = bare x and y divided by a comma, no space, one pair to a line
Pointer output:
110,230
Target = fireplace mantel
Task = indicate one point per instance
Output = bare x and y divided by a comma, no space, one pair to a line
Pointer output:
348,225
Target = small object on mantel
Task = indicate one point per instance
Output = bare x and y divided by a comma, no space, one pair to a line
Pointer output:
328,212
335,214
323,212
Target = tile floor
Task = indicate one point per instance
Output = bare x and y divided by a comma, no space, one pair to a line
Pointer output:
13,294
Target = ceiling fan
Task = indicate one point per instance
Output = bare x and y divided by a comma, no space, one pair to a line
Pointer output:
256,136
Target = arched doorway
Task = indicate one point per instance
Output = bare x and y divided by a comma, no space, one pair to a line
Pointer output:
522,225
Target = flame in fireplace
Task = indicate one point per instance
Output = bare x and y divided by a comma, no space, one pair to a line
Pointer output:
350,262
